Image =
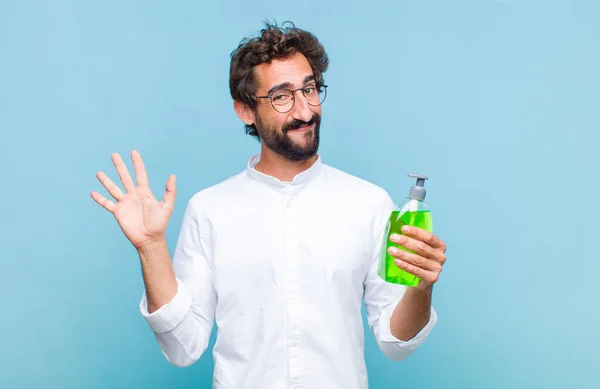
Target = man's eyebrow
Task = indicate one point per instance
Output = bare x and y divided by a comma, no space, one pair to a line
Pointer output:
288,85
309,78
279,86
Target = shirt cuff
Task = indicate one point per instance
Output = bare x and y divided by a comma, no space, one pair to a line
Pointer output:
385,332
169,315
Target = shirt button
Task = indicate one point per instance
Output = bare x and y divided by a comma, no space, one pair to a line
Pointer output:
294,343
289,206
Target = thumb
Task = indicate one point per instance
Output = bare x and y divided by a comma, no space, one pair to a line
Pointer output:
168,201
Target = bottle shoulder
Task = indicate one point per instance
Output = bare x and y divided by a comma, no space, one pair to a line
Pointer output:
412,205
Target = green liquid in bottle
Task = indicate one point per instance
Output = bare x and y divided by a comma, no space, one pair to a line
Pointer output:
388,270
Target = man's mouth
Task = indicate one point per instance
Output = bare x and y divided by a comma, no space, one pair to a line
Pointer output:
303,127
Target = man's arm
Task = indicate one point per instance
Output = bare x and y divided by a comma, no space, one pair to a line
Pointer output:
397,338
411,314
182,331
413,311
157,270
181,315
414,318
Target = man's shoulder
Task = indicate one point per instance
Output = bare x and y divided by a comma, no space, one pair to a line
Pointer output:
221,190
354,185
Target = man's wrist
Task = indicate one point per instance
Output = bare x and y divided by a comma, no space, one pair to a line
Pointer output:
421,289
152,247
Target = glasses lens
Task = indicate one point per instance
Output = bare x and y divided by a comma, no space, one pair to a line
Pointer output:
315,95
282,100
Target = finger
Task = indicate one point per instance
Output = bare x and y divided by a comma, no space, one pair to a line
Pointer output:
416,260
123,172
424,236
417,246
140,169
168,201
104,202
110,186
429,277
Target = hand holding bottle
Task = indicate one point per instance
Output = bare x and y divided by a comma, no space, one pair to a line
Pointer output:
411,254
427,257
141,217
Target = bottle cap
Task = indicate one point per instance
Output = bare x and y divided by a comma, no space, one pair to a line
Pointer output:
417,191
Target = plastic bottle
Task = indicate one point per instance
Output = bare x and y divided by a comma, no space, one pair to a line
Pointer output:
415,212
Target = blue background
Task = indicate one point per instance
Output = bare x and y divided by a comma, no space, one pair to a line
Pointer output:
498,102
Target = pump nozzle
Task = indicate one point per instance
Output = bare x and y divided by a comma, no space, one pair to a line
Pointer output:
417,191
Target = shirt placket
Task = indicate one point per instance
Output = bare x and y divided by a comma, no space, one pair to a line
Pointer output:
292,294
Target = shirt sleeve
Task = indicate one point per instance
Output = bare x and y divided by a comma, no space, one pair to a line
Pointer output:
183,326
382,297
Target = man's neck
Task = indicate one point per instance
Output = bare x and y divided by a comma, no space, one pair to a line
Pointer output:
280,167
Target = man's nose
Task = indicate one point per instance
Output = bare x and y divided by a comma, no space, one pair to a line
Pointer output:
302,110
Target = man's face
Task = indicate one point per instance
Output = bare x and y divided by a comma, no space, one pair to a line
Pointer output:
293,134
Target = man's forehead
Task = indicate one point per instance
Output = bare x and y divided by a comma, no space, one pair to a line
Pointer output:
293,70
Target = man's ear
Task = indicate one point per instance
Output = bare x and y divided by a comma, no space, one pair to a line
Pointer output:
244,112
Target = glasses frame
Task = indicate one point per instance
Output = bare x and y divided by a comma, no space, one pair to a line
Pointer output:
293,92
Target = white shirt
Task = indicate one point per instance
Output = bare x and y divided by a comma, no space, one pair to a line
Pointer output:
282,267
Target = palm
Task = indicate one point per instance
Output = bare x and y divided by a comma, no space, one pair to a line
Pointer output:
141,217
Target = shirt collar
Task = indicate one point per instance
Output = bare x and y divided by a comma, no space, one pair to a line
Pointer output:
300,178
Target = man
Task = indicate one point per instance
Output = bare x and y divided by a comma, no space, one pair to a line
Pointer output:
282,254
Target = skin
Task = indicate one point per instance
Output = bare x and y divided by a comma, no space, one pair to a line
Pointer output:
143,219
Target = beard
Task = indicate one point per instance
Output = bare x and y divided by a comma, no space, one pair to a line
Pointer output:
284,145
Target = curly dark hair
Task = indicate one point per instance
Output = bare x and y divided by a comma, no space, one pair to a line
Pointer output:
273,43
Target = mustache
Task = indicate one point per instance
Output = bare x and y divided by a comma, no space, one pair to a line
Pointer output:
295,124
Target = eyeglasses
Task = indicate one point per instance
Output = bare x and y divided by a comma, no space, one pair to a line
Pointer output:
283,99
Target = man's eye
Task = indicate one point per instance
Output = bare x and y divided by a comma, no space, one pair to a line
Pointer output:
280,97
